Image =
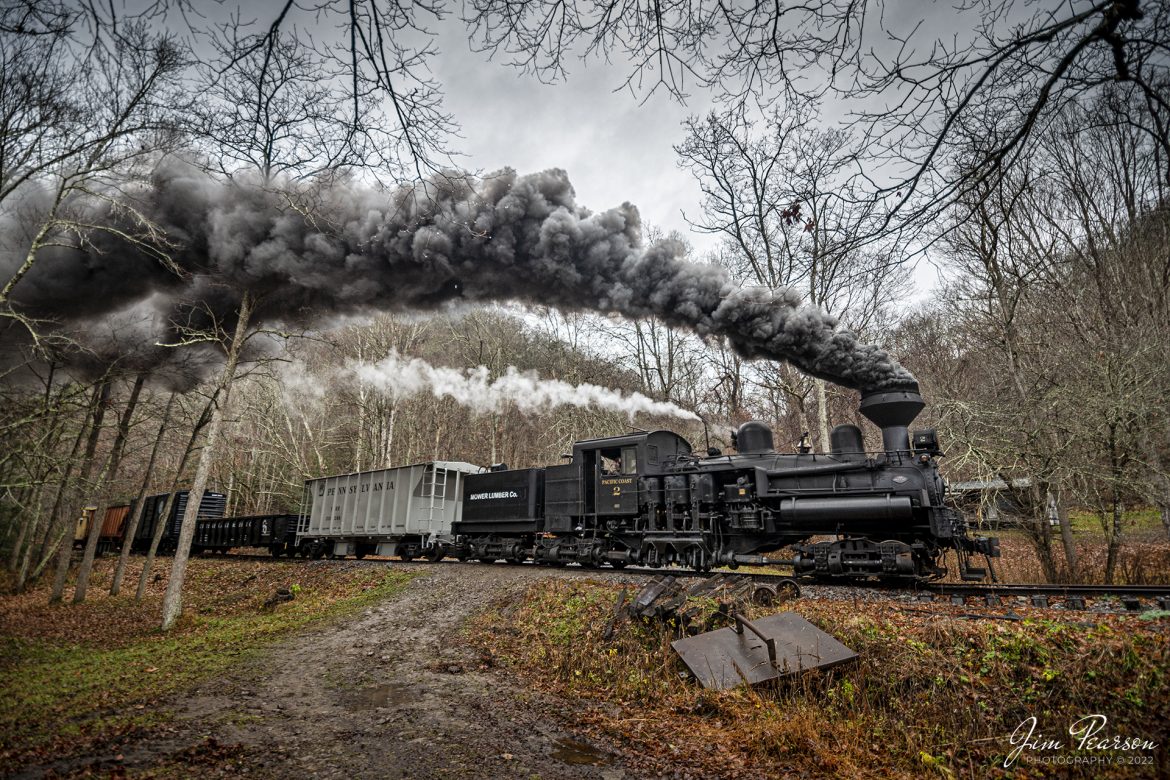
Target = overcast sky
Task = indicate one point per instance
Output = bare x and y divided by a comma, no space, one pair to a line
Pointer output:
613,148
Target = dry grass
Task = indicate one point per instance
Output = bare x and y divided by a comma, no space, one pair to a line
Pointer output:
933,694
1144,558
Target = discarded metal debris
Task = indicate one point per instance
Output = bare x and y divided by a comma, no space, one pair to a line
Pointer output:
759,650
617,613
667,598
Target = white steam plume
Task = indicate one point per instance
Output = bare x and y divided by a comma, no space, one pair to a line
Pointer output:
399,376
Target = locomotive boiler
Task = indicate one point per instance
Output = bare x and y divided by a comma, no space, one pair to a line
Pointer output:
646,498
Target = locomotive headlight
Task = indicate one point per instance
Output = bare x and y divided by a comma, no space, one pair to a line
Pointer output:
926,442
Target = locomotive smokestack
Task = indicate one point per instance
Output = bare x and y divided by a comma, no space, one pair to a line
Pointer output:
893,409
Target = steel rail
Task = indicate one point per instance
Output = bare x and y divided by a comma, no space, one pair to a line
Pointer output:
1072,593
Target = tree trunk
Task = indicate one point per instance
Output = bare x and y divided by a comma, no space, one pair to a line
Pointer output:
65,545
823,413
388,450
494,422
1066,538
30,523
27,558
173,601
27,529
1040,531
1117,508
23,577
110,473
360,433
1042,537
137,507
1114,548
230,499
1159,482
156,537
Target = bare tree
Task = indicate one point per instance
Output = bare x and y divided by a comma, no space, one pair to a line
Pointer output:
233,346
1063,290
280,110
931,80
164,512
783,200
137,506
78,114
74,493
373,72
109,471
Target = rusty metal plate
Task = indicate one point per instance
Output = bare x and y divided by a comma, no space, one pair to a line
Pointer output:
724,658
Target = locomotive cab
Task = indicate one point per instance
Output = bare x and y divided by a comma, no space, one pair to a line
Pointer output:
610,479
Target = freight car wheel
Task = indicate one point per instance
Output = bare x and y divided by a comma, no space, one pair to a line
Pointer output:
436,555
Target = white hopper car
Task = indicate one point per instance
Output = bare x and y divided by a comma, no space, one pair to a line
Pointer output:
405,511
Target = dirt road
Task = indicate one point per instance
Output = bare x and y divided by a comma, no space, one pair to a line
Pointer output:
390,693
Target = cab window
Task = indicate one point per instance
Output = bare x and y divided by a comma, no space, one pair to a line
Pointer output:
629,460
609,462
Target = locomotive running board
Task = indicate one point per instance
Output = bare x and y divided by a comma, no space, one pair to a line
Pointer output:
753,652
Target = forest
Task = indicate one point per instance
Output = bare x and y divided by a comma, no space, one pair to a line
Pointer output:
1027,165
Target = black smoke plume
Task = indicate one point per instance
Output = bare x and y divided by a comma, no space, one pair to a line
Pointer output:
318,252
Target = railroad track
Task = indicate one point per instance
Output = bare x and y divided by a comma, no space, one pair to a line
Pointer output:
1134,598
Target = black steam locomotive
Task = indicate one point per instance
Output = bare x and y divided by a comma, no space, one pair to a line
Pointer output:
646,498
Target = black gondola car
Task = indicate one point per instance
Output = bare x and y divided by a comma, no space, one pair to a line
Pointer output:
211,507
276,533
